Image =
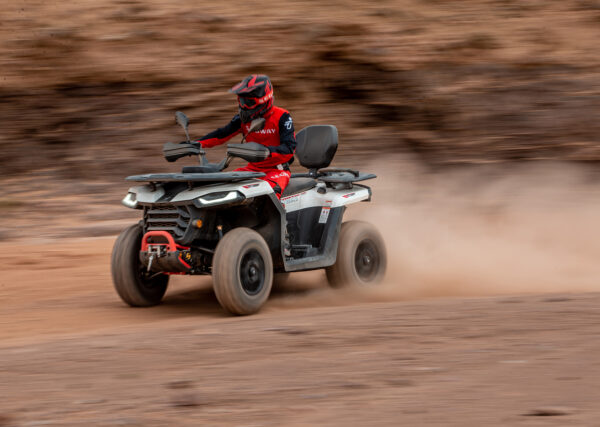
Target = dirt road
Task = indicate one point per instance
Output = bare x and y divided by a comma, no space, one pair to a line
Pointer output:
71,354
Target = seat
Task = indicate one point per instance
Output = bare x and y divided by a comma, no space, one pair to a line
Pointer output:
316,146
298,185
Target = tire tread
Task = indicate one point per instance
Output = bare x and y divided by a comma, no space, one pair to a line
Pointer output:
225,271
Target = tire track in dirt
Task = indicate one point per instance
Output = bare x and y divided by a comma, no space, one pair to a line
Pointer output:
452,361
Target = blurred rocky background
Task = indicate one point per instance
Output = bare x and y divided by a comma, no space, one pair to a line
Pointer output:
88,88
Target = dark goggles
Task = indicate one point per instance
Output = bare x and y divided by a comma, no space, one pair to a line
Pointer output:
248,103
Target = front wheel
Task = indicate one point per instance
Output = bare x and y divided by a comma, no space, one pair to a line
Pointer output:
361,256
242,271
132,283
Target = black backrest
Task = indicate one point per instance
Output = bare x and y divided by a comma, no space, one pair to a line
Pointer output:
316,146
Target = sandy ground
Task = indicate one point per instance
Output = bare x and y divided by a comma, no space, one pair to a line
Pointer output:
72,354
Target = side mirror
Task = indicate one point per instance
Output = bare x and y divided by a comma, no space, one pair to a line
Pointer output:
256,124
184,122
182,119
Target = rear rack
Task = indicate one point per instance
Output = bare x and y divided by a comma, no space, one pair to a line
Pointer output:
335,175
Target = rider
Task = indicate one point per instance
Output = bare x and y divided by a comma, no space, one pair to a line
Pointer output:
255,99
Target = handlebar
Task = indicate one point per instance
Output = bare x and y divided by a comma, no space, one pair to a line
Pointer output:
251,152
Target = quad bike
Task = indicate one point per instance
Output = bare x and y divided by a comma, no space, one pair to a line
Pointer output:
231,225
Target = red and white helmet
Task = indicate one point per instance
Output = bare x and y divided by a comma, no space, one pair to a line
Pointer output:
255,96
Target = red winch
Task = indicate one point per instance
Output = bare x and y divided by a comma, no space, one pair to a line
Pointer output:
164,256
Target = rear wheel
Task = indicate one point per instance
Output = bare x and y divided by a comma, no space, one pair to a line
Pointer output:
242,271
132,283
361,256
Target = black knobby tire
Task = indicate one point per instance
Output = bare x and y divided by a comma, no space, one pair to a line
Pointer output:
242,271
361,256
131,282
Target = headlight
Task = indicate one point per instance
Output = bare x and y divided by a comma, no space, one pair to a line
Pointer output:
219,198
130,200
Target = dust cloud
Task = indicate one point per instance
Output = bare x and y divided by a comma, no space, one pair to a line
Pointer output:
474,231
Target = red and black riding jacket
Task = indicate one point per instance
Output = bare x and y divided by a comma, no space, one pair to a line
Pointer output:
277,135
